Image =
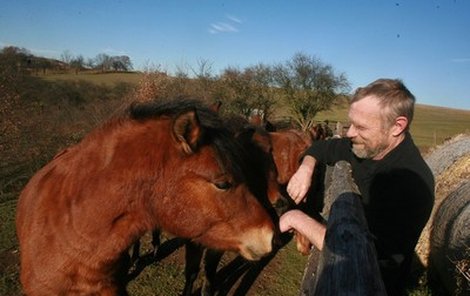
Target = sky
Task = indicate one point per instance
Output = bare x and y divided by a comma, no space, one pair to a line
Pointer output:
426,43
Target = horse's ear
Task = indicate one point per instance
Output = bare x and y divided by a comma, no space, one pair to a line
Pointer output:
187,131
263,140
254,135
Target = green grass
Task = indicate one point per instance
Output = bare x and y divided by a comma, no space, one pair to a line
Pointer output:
7,229
432,125
289,277
9,281
147,284
281,276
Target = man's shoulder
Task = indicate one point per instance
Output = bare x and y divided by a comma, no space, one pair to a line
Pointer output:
410,159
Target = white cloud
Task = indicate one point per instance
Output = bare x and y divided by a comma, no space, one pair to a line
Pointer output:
221,28
228,26
234,19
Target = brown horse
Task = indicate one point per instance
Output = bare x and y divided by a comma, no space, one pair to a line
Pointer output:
171,166
262,181
288,148
274,157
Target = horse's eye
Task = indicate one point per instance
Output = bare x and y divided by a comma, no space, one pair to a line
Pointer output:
224,185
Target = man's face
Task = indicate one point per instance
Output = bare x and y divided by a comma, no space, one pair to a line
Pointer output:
369,136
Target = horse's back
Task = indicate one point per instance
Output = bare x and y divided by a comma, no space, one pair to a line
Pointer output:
50,221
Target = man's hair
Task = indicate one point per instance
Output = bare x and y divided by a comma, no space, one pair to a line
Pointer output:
394,98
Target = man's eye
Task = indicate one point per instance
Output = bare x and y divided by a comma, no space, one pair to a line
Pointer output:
223,185
359,127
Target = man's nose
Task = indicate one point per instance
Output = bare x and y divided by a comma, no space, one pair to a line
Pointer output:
352,132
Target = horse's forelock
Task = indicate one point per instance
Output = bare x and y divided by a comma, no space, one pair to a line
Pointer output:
230,153
232,157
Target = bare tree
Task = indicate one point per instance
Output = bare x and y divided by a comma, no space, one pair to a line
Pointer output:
90,63
309,85
235,92
263,93
103,62
203,70
204,80
77,63
66,56
246,91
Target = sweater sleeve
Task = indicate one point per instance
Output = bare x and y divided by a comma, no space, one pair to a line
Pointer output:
330,151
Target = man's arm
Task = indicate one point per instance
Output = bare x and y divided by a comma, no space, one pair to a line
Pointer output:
297,220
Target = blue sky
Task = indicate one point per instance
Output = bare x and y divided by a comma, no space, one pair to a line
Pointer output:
424,42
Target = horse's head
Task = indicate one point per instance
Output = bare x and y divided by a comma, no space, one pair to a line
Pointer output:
288,148
262,172
205,186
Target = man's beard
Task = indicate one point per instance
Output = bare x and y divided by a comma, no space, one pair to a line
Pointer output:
364,152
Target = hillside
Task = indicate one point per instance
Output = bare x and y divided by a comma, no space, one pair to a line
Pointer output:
55,111
432,125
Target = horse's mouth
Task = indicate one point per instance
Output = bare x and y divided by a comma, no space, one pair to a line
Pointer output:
257,243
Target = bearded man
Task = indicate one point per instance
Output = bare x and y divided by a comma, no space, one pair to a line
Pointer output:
396,185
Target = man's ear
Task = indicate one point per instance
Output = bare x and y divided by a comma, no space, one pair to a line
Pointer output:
400,125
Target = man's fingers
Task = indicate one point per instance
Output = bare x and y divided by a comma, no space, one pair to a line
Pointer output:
295,192
298,199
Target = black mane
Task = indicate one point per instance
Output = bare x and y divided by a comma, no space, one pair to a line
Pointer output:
169,107
216,133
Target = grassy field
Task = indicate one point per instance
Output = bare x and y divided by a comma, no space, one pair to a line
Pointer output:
97,78
431,125
280,276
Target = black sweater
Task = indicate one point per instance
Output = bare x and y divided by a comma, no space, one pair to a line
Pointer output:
397,192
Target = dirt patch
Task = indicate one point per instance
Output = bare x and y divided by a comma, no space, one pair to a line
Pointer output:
8,259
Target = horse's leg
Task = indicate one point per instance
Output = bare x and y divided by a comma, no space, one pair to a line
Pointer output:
122,274
193,258
135,251
155,241
211,261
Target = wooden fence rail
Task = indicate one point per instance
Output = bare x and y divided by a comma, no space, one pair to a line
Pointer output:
348,263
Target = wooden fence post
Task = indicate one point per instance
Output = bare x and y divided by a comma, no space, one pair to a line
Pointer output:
348,263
